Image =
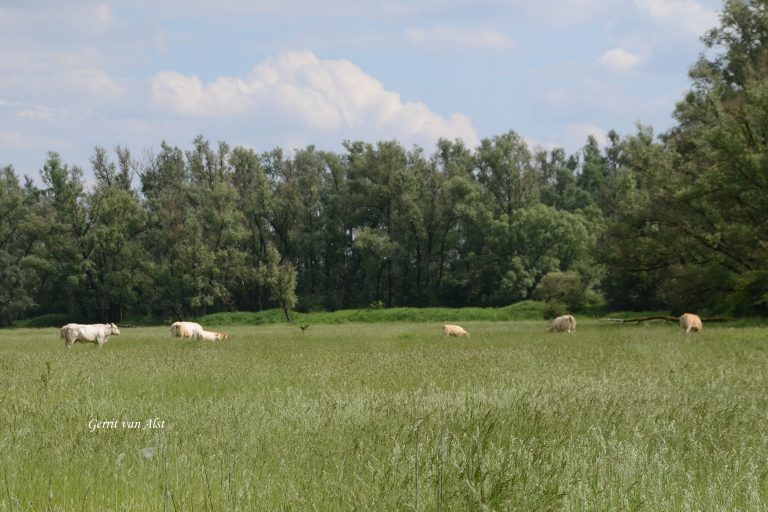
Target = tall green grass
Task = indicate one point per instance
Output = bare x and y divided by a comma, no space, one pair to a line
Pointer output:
388,416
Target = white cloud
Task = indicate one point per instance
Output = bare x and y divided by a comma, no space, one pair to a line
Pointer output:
689,15
323,95
619,59
187,95
452,38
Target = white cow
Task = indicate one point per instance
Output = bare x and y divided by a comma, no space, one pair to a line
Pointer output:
565,323
210,335
690,322
88,333
454,330
185,329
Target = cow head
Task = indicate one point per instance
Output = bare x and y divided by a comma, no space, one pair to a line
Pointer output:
114,329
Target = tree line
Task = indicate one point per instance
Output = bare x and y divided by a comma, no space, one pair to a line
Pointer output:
671,222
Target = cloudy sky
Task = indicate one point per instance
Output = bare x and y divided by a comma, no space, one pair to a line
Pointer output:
79,74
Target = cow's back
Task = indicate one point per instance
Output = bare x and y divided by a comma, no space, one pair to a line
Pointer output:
454,330
186,329
564,323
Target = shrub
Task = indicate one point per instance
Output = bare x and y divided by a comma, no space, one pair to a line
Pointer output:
565,288
553,309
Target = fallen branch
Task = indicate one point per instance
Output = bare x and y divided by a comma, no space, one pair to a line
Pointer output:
663,317
649,318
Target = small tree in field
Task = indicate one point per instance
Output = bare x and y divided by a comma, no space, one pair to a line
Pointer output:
280,279
561,290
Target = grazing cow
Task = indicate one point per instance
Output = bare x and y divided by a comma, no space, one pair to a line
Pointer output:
93,333
690,322
565,323
210,335
454,330
185,329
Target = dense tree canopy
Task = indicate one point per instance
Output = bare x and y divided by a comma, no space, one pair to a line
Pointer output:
216,228
673,222
694,231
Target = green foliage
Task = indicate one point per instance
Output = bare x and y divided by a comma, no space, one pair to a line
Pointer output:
564,288
750,294
555,308
506,173
376,224
18,225
279,279
594,172
693,215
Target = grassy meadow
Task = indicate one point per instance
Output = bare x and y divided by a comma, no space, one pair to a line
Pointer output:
387,416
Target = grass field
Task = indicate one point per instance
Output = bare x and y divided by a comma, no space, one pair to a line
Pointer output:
387,417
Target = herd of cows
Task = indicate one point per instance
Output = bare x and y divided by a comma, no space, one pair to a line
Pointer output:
100,333
565,323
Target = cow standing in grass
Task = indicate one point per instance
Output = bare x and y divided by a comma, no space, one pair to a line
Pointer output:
454,330
690,322
565,323
185,329
88,333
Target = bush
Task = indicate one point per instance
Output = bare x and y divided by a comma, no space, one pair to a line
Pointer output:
553,309
750,295
565,288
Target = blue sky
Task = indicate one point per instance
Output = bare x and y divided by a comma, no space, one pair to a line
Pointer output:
79,74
